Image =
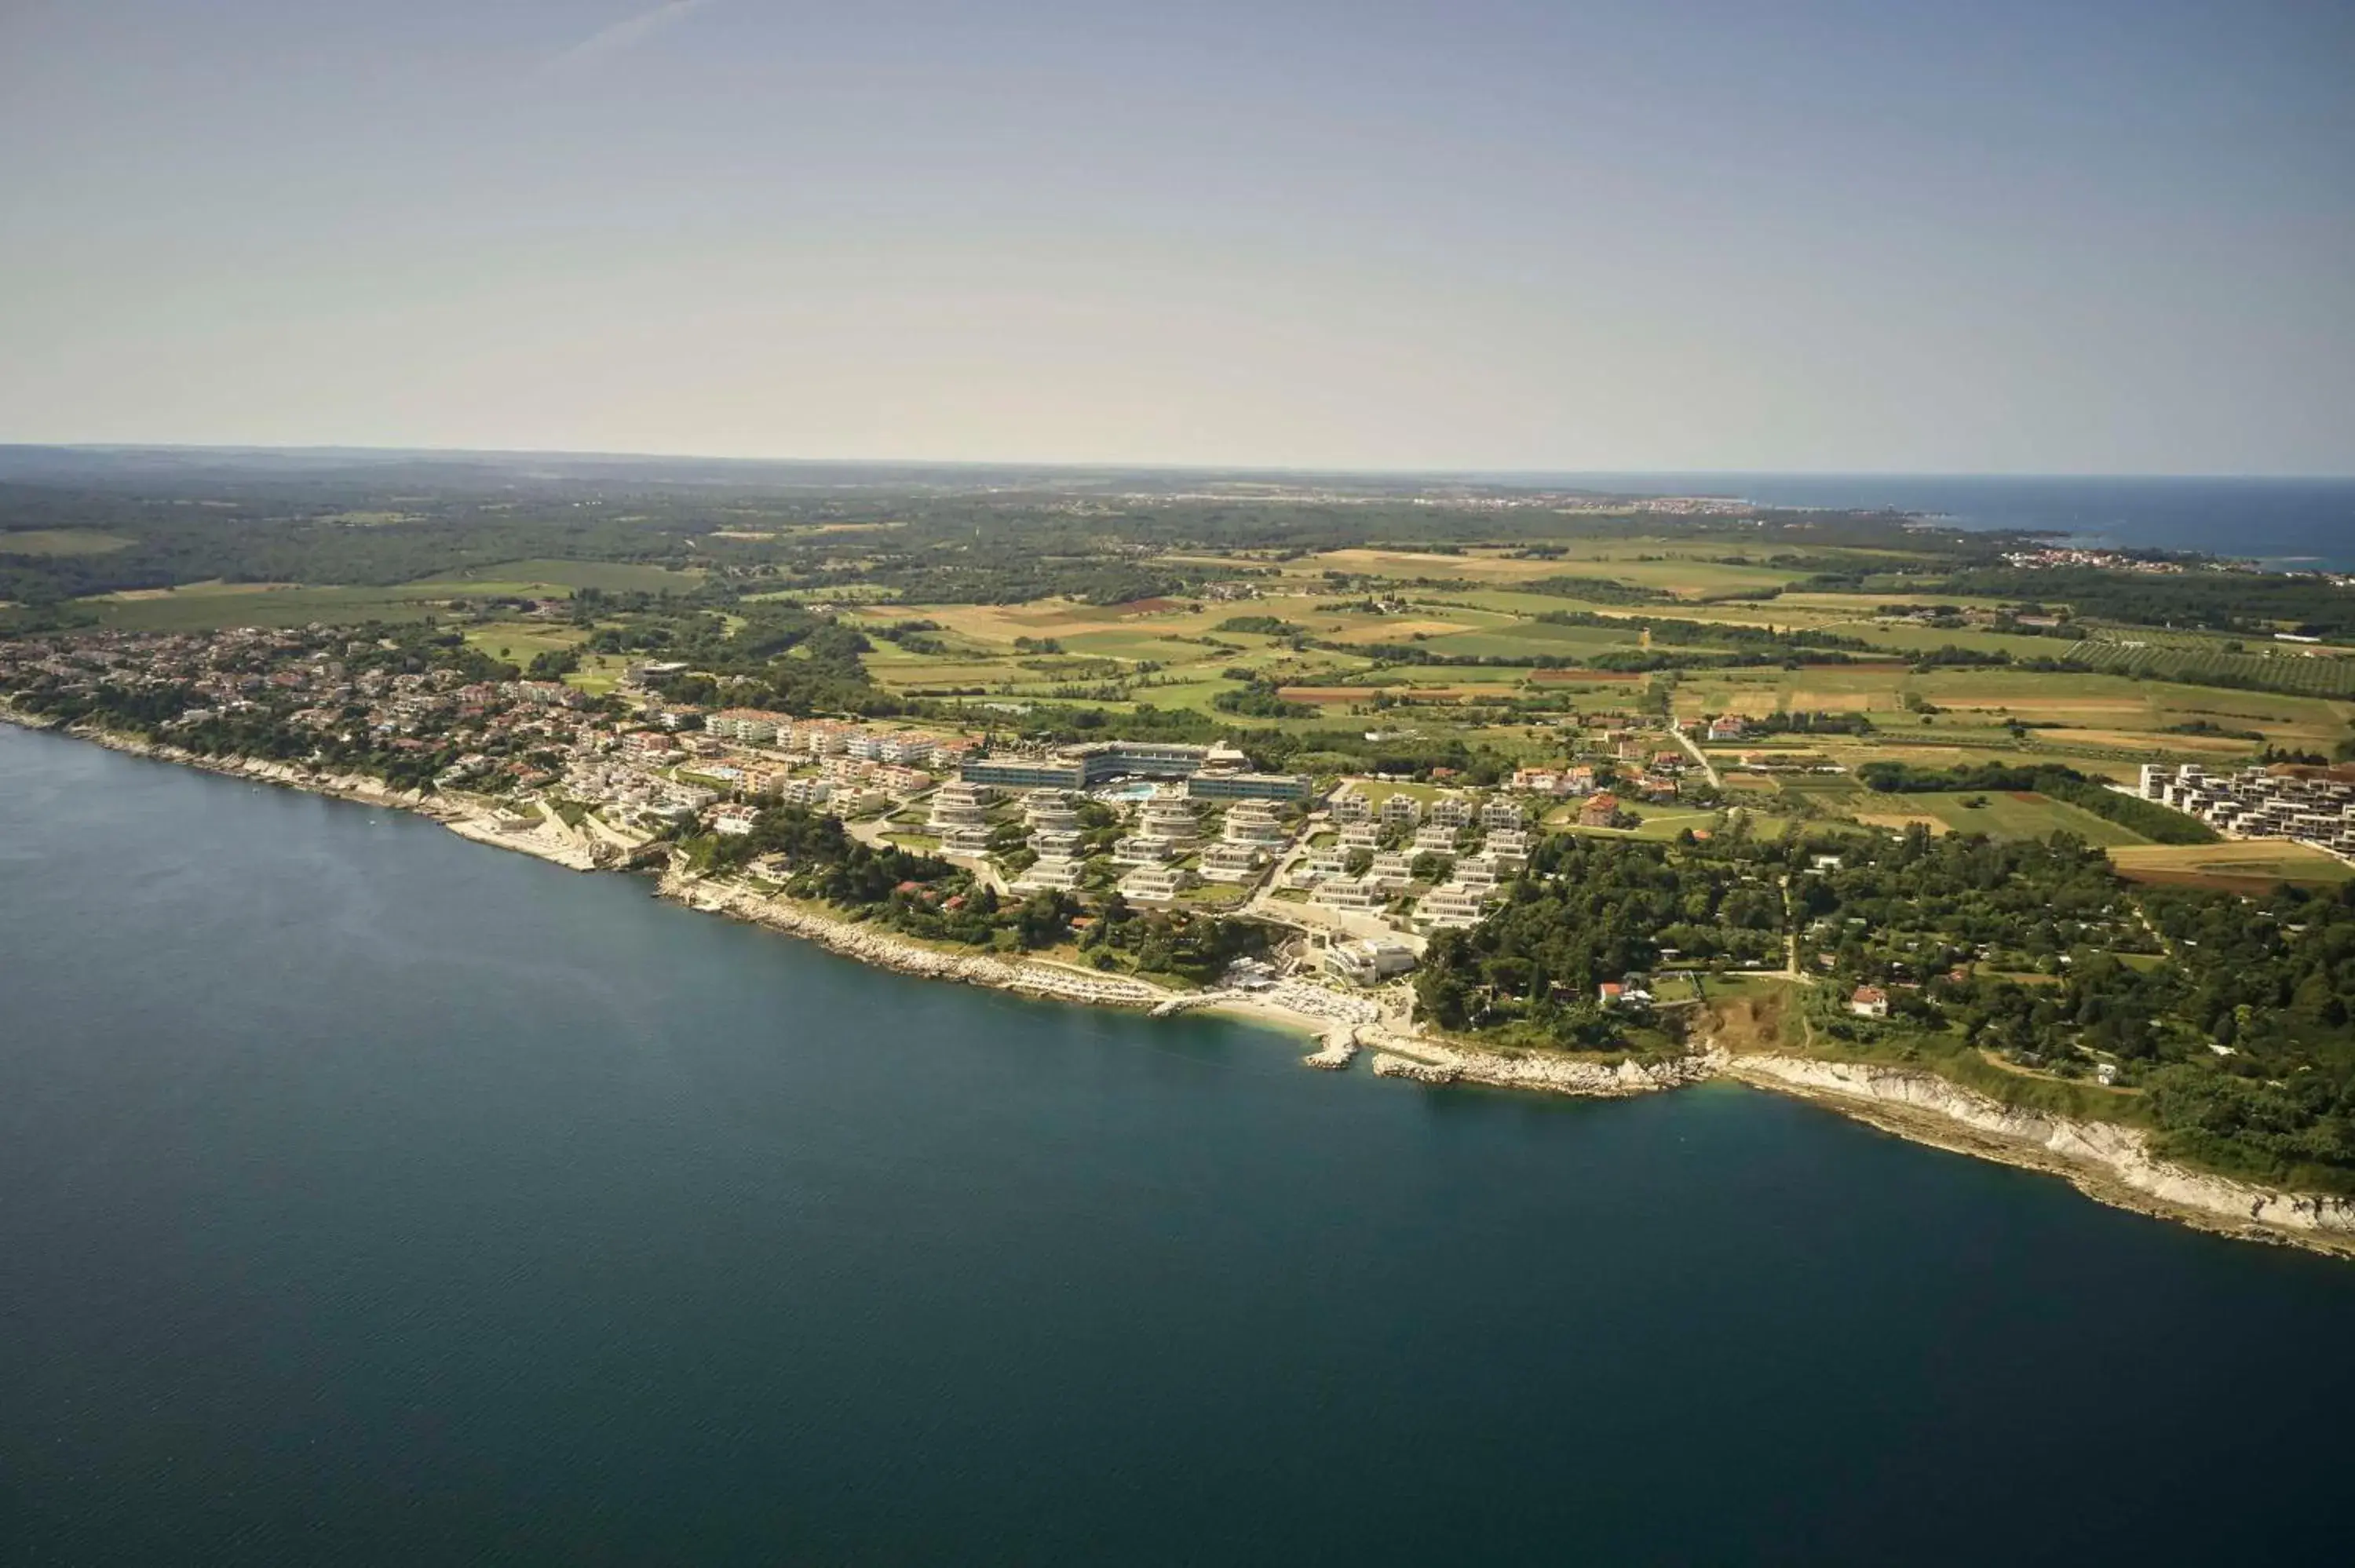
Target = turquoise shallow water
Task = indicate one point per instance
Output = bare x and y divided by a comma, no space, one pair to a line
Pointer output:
368,1196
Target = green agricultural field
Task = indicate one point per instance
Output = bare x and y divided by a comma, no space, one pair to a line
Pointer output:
61,542
209,606
2268,667
1901,637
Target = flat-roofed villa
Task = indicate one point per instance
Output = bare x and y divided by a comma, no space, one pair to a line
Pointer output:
1433,839
1151,885
1252,822
1349,893
958,805
1229,863
1049,873
1051,808
1055,841
1168,818
966,840
1452,907
1138,850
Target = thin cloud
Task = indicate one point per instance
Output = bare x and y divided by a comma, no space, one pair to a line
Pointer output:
622,37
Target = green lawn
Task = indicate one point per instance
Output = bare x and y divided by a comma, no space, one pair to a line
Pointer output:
2005,815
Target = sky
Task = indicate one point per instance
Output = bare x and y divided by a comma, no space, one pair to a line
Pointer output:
2044,237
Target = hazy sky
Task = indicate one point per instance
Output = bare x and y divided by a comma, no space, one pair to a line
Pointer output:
2039,236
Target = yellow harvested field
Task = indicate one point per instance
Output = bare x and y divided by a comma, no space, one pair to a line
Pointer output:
1898,821
2144,740
1399,630
2248,861
1420,564
1807,700
213,590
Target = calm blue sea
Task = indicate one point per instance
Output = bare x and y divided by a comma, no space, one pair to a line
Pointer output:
368,1196
2284,522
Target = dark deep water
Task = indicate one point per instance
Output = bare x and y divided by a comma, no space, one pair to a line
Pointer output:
2291,524
368,1196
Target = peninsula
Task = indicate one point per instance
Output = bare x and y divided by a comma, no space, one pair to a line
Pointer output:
2035,853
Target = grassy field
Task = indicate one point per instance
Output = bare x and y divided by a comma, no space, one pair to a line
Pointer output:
61,542
519,642
1999,814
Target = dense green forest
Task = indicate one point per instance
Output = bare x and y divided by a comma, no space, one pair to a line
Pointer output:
2209,600
1591,911
2228,1013
925,535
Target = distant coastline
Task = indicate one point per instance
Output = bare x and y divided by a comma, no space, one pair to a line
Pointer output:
2110,1163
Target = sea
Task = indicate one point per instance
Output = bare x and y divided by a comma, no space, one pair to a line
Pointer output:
369,1196
2285,523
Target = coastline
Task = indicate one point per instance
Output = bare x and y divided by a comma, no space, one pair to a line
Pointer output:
2106,1161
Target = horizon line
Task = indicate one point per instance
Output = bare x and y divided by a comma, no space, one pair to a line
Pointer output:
1150,466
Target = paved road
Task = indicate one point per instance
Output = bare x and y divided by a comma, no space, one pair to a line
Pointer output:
1699,755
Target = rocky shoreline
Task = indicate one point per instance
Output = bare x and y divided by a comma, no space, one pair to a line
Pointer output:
2106,1161
2111,1163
